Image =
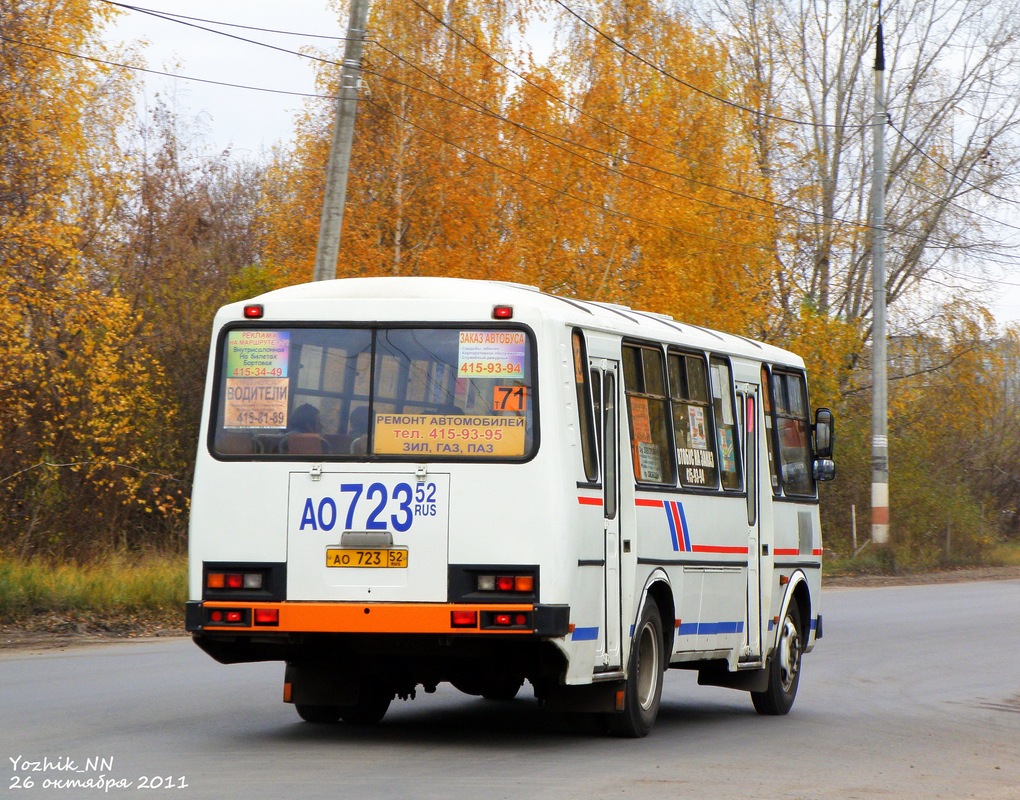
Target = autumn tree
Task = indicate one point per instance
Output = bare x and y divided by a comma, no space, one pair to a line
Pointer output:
599,174
952,147
421,198
83,390
188,238
674,218
952,400
952,161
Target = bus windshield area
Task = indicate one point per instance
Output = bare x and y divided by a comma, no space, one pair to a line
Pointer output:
374,392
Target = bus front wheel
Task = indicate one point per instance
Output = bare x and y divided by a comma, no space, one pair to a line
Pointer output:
784,671
643,690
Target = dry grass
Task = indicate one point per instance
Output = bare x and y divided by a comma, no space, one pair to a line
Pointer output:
121,584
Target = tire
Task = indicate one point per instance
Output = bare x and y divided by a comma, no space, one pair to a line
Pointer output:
491,686
784,668
502,689
646,668
318,714
371,707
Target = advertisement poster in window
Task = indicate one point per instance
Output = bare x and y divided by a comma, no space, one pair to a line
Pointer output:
729,461
491,354
257,387
696,419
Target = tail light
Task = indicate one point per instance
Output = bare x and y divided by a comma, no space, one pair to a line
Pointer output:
234,581
523,584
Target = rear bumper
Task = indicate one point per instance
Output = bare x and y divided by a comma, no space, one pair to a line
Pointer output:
531,619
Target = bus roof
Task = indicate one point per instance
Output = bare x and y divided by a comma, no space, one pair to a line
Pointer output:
450,298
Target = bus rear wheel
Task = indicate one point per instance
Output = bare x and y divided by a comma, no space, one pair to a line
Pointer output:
318,714
643,691
784,671
372,705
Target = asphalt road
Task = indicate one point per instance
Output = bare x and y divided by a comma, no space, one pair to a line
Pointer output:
913,693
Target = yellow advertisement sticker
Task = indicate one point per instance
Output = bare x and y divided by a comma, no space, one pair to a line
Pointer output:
256,403
449,434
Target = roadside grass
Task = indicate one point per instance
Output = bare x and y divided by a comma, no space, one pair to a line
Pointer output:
133,595
1006,554
123,592
876,562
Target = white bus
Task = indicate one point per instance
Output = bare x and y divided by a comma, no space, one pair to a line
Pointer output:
405,481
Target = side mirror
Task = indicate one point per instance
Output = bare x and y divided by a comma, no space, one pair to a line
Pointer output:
824,469
824,433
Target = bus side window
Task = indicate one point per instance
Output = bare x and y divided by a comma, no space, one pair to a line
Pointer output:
790,395
584,407
726,425
647,406
693,431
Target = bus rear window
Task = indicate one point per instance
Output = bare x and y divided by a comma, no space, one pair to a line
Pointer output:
375,392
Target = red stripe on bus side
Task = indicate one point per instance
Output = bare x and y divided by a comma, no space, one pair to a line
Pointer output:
640,501
590,501
709,548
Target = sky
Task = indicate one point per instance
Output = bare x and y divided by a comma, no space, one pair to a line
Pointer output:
248,121
251,122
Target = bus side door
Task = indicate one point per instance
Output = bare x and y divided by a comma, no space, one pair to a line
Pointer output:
747,401
605,390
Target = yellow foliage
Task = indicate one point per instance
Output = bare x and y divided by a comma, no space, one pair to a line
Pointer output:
596,176
829,348
81,403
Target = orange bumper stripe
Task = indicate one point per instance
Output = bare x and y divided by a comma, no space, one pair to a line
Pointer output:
296,617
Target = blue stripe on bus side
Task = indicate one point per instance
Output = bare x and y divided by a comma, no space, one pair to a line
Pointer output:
709,628
585,634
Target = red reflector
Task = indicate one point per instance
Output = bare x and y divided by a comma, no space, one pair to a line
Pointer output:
505,583
253,311
216,616
464,619
521,619
234,580
501,619
233,616
503,312
267,616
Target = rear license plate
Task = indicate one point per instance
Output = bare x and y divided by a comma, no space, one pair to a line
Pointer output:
374,558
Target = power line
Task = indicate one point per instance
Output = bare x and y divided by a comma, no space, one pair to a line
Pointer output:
561,143
704,92
476,106
566,103
167,15
561,192
526,178
182,21
173,75
668,150
422,128
524,128
945,169
545,136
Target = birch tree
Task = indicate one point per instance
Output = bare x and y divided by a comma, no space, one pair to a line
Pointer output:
953,159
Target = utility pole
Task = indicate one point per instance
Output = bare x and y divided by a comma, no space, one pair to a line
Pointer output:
879,397
332,220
